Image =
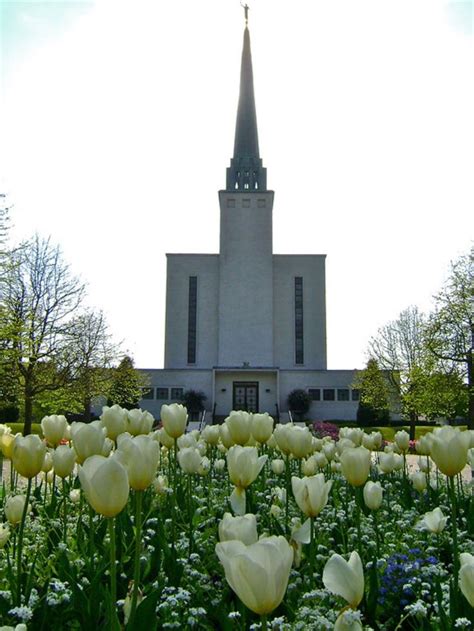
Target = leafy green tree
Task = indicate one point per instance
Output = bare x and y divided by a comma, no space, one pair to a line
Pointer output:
126,385
40,298
400,350
299,402
375,394
450,331
93,353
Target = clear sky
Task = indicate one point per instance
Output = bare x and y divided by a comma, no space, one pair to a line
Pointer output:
117,126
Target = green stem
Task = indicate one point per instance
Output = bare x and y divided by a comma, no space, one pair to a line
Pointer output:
455,538
20,542
190,514
311,549
64,511
264,626
138,534
113,572
287,502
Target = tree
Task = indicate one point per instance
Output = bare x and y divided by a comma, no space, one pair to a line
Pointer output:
194,402
450,331
126,385
399,348
299,402
40,298
93,353
375,395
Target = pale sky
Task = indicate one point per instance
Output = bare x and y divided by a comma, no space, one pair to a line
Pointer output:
117,126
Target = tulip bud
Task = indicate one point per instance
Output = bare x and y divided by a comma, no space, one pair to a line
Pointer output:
309,466
261,427
6,443
449,450
165,438
174,418
320,460
300,441
423,446
114,419
281,435
140,456
373,493
434,521
219,465
105,485
238,424
75,496
402,440
28,455
47,462
345,578
355,465
329,450
88,440
386,462
54,428
225,436
466,576
424,464
242,528
311,494
257,573
211,434
160,484
278,466
139,422
14,507
4,535
204,467
419,481
244,465
189,460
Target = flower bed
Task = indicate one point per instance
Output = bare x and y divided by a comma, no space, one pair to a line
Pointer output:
244,526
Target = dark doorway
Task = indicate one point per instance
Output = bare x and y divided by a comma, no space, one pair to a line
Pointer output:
245,396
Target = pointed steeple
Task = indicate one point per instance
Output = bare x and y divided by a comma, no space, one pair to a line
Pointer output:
246,171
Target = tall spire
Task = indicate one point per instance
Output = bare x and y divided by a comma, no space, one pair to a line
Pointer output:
246,171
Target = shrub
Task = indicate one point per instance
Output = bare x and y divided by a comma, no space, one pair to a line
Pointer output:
299,402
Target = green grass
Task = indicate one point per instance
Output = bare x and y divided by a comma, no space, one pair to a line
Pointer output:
18,427
388,433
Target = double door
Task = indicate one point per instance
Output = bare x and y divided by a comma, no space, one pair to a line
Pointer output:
245,396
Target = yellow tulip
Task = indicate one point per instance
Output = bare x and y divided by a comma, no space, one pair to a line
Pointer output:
466,576
174,418
14,507
345,578
355,465
114,419
242,528
140,456
28,455
373,493
4,535
238,424
261,427
449,449
139,422
257,573
244,465
88,440
54,428
311,494
105,484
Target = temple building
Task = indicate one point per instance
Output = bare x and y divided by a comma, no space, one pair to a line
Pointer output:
247,326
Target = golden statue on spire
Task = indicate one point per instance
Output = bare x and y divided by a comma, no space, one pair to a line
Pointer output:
246,12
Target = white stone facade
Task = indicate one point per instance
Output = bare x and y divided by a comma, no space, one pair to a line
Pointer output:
247,326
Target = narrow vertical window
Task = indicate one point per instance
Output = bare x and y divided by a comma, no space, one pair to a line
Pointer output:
299,355
192,308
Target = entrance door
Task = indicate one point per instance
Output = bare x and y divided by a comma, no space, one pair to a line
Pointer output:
245,396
